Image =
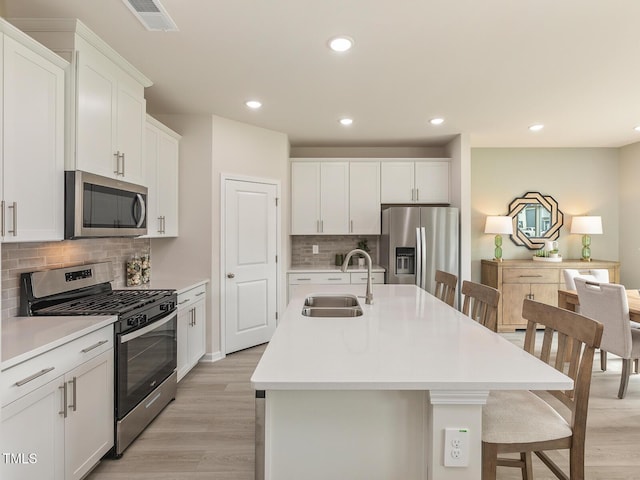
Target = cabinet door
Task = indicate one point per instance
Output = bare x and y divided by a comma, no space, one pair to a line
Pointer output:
154,222
97,90
397,182
184,319
33,150
89,424
545,293
130,122
305,198
364,198
334,198
513,294
432,182
33,434
167,182
197,333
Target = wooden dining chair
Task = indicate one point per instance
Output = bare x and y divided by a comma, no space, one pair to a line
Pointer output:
481,303
607,303
446,284
522,421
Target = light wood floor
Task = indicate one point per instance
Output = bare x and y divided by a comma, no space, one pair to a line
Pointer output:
208,431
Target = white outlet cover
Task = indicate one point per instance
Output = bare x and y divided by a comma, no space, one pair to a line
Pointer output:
456,447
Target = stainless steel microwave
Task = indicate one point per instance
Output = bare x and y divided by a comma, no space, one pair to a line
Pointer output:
97,206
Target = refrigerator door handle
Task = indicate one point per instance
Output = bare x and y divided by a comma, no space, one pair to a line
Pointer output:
423,258
418,258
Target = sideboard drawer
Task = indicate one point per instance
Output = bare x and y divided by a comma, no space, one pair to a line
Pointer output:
530,275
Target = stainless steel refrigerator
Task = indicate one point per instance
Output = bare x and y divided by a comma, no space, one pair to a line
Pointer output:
418,240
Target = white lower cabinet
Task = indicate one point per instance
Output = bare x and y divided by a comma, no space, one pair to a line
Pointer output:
58,419
330,278
192,315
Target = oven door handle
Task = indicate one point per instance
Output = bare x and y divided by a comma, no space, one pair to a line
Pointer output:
147,329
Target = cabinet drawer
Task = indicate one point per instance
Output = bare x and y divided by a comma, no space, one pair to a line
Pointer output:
361,277
35,372
186,299
530,275
319,278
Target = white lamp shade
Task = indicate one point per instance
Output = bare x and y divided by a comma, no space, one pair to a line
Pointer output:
590,225
502,225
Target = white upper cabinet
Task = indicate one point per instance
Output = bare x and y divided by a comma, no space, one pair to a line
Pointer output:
32,160
106,105
424,181
162,153
319,198
364,198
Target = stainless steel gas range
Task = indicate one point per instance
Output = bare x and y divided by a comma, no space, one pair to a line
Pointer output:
145,336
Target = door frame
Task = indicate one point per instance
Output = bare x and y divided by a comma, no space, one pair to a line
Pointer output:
224,177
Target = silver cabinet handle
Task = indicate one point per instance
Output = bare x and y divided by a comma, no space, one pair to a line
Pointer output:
351,227
15,219
333,279
63,412
24,381
318,226
2,220
184,301
123,163
117,157
231,275
412,194
321,226
160,224
73,395
95,345
417,194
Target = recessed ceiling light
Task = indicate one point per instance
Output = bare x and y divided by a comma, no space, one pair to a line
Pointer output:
341,43
536,127
254,104
436,121
346,121
637,129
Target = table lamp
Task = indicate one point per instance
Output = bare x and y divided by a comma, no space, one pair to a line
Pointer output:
498,225
586,226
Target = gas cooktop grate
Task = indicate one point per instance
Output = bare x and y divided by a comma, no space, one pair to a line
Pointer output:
111,303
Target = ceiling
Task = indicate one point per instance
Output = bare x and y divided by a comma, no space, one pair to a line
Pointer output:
490,68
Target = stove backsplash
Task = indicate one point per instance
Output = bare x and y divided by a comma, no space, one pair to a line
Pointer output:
29,257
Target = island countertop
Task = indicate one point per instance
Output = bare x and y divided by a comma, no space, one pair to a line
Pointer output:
406,340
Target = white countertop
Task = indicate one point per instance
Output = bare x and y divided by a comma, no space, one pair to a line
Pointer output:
406,340
180,284
332,269
26,337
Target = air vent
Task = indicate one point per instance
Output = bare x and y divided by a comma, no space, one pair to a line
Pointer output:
152,15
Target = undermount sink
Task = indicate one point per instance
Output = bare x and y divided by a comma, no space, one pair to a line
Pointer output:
331,311
339,301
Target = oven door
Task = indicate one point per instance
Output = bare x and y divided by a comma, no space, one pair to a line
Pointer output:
144,358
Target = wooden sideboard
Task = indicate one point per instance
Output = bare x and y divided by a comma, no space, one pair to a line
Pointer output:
520,279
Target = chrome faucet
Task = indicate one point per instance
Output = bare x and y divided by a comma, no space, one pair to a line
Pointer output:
369,295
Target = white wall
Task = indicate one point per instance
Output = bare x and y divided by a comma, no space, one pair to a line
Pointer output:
212,146
629,224
245,150
582,180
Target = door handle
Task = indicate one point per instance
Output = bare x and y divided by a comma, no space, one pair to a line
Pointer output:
73,395
231,275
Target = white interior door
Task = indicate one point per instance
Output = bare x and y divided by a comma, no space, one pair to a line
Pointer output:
249,263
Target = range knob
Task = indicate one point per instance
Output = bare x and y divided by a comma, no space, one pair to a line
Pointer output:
133,322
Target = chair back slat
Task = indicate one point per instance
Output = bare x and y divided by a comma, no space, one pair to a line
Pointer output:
446,284
481,304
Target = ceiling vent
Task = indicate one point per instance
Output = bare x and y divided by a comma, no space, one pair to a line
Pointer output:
152,15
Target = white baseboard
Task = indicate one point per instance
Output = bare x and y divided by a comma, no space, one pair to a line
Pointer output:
212,357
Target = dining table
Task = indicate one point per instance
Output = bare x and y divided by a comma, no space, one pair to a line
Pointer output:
568,299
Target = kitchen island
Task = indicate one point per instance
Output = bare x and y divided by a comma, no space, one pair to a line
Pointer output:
370,397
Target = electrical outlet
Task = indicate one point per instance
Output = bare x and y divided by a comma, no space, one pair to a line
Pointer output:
314,249
456,447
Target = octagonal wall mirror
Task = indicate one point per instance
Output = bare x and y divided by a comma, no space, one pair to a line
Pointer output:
536,219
